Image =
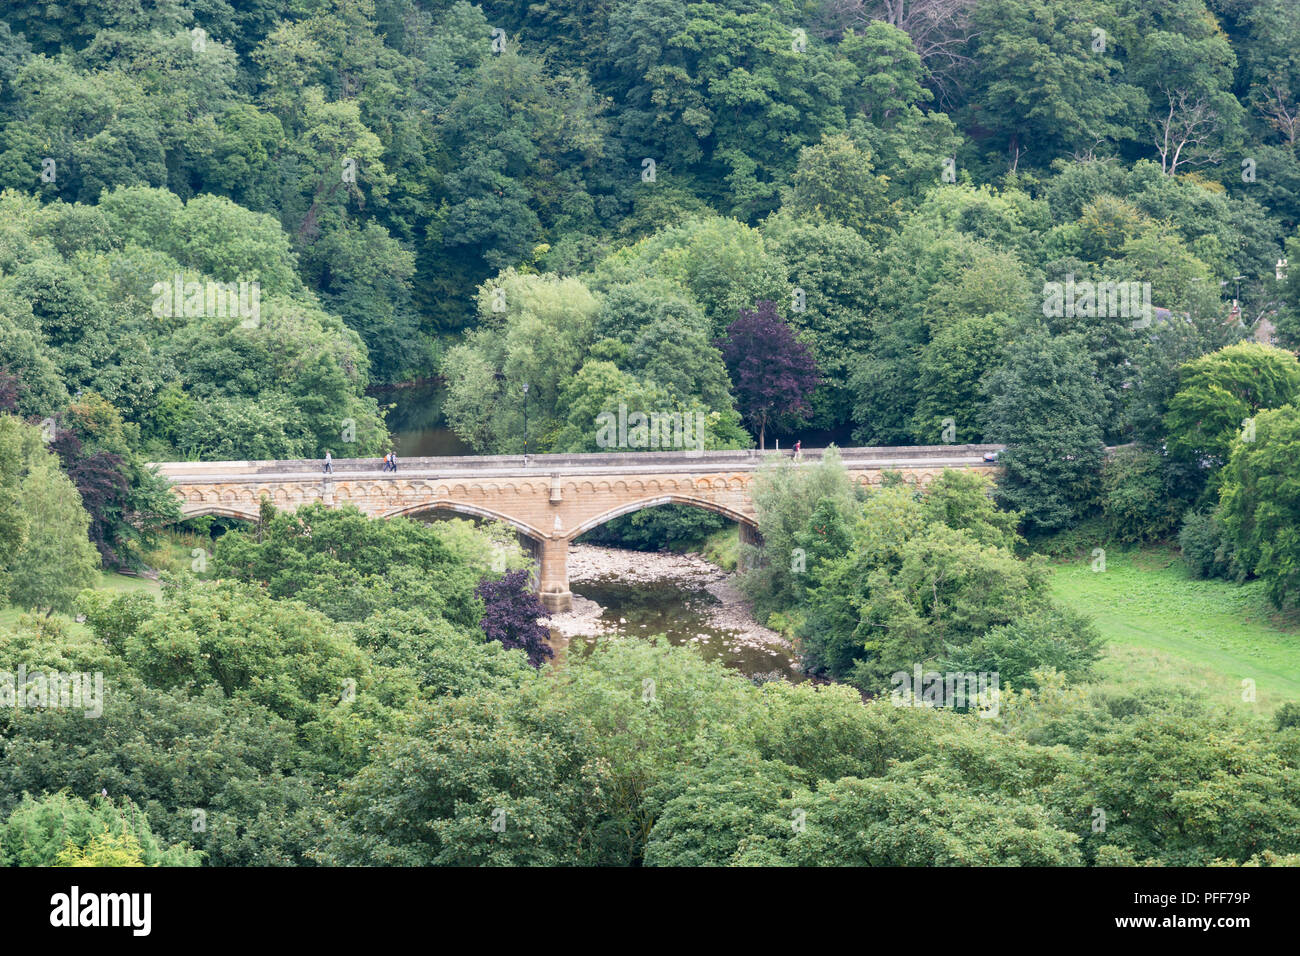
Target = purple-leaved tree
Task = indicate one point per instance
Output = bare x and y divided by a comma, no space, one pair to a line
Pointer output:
773,372
510,614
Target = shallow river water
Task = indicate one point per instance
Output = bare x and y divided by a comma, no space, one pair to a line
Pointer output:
682,597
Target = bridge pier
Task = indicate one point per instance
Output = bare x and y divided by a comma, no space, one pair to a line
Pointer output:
553,576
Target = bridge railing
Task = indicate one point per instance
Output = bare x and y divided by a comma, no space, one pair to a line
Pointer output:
878,456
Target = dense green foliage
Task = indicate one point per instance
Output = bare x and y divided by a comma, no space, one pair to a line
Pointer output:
583,199
907,578
220,226
267,723
62,830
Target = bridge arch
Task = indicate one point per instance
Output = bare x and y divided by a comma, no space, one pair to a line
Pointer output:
458,507
744,520
199,509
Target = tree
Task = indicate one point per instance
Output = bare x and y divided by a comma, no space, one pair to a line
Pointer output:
127,501
1187,132
1217,393
171,753
835,182
833,271
55,559
666,339
823,732
13,521
445,659
651,709
723,265
511,612
773,372
1064,641
1203,545
923,577
1259,503
1186,64
523,143
605,405
1136,500
104,849
929,821
945,266
350,567
950,375
962,500
478,780
937,29
1163,350
229,634
947,590
1043,88
1178,776
61,829
707,812
535,329
1045,404
795,507
719,91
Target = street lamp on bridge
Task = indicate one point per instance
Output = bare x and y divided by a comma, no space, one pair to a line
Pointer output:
525,422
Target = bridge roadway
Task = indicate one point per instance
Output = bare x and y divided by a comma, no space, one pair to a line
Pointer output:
548,499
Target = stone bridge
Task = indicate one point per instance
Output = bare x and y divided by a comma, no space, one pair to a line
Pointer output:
548,499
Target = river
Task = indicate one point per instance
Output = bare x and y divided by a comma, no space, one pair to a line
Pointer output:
681,596
416,422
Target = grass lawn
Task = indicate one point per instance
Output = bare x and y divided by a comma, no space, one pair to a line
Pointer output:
1161,624
118,583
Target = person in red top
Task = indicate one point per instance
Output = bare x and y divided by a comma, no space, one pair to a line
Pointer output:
798,449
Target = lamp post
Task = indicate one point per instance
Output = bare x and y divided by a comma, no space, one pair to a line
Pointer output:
525,423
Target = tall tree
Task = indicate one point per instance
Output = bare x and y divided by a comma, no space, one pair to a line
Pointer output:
1045,404
56,560
1217,393
774,373
1260,503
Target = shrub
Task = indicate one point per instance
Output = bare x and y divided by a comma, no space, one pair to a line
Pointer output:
1060,639
1288,715
1206,550
63,829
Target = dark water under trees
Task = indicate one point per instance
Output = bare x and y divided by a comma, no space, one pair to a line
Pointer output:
416,422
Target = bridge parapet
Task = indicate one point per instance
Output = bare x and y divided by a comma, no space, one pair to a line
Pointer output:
743,460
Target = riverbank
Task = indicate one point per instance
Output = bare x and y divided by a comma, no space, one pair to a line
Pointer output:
682,595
